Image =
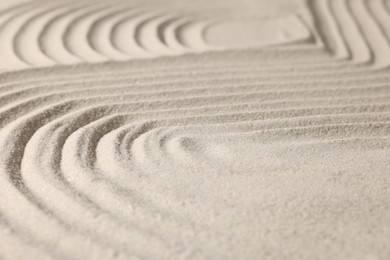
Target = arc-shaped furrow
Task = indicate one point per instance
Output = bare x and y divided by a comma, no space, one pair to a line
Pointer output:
53,37
29,34
374,36
76,35
27,31
150,34
166,32
8,13
13,185
144,154
125,35
139,131
128,160
151,146
4,17
356,43
172,36
378,12
148,157
70,152
193,32
257,116
101,33
9,28
343,111
328,28
80,170
190,35
92,225
7,7
92,19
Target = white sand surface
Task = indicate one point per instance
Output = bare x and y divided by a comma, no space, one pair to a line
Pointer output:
178,129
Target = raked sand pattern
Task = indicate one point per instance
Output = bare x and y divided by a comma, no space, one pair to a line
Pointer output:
246,129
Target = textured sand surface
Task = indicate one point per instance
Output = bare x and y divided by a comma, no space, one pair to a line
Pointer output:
245,129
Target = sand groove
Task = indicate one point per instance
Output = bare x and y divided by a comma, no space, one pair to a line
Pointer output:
153,130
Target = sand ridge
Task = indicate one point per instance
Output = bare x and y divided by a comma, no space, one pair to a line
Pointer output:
146,130
44,33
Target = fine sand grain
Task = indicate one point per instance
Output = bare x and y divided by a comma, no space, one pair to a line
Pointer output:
180,129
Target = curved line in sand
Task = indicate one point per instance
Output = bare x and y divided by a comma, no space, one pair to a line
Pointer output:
181,155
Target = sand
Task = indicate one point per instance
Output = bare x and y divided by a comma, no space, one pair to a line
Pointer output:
175,129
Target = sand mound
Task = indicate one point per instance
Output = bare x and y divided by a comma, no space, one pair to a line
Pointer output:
195,129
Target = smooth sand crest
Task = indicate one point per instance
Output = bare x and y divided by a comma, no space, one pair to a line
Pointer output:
194,129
